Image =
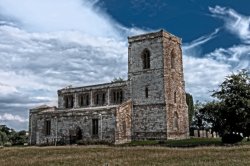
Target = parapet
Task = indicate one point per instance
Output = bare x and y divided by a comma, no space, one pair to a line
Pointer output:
152,35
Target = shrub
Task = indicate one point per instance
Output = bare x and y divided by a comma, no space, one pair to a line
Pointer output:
231,138
93,142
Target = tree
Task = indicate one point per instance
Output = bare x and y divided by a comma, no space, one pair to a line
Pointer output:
3,138
199,121
231,112
119,79
10,135
19,138
234,97
5,129
212,117
190,103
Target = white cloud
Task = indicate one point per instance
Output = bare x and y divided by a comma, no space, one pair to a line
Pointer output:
202,73
75,43
237,56
11,117
7,89
234,22
60,15
201,40
47,45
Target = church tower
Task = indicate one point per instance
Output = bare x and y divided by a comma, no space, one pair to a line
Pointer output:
155,75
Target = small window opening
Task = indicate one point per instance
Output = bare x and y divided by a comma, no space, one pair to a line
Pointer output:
176,119
146,59
117,96
173,60
47,127
174,97
146,92
84,100
69,101
95,127
100,98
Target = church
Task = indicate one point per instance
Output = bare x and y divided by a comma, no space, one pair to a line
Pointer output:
151,104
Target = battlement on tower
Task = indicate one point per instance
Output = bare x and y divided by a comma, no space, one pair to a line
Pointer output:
153,35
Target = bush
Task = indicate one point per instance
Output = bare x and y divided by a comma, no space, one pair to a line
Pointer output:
8,144
93,142
231,138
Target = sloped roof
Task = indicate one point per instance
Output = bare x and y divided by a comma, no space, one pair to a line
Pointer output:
41,107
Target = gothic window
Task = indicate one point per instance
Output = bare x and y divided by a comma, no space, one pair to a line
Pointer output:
100,98
95,127
176,121
117,96
173,56
47,127
84,100
146,92
146,59
69,101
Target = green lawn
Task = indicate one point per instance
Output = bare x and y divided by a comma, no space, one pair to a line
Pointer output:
192,142
131,154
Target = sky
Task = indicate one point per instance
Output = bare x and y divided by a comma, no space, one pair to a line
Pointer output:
47,45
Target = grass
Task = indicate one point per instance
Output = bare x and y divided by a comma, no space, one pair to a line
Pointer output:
128,155
193,142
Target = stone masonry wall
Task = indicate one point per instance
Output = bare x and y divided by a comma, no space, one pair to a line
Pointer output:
92,90
175,89
149,122
65,124
149,115
123,123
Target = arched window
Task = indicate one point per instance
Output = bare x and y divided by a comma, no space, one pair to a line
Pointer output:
146,59
173,59
146,92
176,121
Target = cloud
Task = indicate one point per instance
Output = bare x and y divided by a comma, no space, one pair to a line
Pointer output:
237,56
75,43
61,43
10,117
194,46
205,71
239,25
234,22
35,64
60,15
6,89
202,73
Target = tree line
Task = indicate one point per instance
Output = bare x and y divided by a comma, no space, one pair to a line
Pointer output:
10,137
229,113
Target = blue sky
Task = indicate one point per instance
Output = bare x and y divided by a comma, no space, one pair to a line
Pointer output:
46,45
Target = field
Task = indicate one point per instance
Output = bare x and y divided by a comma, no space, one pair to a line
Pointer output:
126,155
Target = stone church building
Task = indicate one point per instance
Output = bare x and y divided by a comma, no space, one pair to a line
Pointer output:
151,104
